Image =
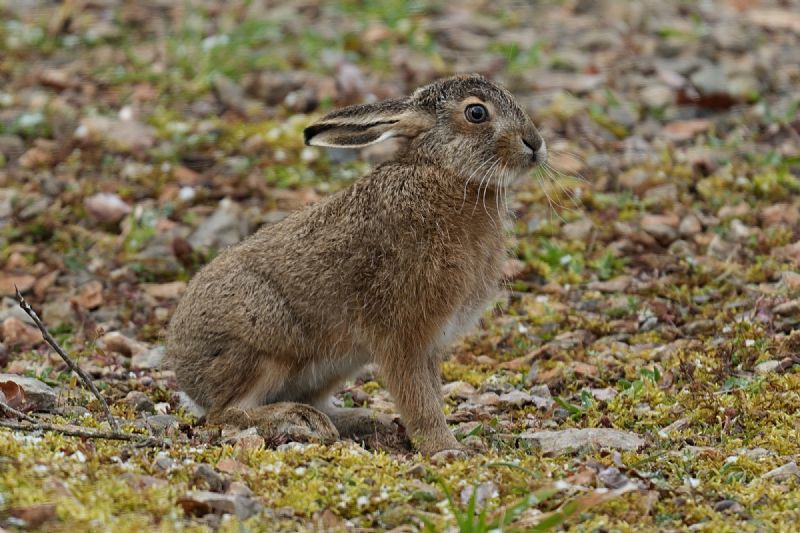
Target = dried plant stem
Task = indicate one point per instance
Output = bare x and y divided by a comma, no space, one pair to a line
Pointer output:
70,363
76,431
13,412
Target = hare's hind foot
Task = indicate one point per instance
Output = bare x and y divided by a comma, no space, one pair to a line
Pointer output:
375,430
355,422
284,420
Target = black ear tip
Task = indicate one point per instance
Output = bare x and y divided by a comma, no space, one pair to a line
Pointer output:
312,131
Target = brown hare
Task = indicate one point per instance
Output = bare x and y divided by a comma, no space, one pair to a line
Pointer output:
387,271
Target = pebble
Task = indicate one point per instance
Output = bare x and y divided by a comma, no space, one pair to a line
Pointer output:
39,396
563,441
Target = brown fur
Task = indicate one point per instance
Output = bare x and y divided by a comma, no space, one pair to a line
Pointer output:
386,271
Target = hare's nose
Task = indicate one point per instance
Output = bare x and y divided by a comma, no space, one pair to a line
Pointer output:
537,148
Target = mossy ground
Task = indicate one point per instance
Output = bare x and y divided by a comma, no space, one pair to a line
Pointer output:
670,315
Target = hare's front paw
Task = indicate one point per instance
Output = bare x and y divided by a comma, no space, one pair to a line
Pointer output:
295,421
442,447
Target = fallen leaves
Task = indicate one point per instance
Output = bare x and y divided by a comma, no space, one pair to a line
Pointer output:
683,130
17,332
90,295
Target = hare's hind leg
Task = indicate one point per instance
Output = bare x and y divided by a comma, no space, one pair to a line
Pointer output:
298,422
358,422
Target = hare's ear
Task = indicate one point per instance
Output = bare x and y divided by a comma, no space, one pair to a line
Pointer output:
360,125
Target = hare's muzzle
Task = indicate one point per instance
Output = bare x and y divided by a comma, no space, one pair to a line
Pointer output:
536,148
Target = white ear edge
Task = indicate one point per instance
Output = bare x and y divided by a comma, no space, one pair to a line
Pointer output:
382,137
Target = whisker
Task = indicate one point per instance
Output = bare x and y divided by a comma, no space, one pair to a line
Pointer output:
469,178
571,194
485,177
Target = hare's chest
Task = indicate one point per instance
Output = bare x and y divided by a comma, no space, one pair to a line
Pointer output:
459,323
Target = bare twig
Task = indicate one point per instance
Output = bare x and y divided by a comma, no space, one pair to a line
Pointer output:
13,412
76,431
70,363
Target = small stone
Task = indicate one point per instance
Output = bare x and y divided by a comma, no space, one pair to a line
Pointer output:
662,227
574,83
232,466
8,282
483,492
458,389
90,295
675,426
417,470
140,482
767,367
605,394
237,488
17,332
739,231
585,369
114,341
690,226
740,210
578,230
205,477
201,502
790,308
756,453
488,398
728,505
39,396
106,207
790,280
516,398
783,473
160,424
711,79
126,136
164,463
225,227
148,359
612,478
662,194
140,402
657,96
781,213
683,130
165,291
559,442
698,327
615,285
720,249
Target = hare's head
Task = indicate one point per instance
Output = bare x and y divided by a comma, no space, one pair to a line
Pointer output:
465,124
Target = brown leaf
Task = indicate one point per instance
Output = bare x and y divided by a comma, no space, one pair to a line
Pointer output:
14,395
15,331
44,283
585,369
776,19
683,130
90,295
35,515
165,291
24,282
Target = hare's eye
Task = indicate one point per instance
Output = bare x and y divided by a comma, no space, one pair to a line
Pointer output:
476,113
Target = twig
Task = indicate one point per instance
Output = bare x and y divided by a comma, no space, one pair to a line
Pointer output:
75,368
75,431
19,414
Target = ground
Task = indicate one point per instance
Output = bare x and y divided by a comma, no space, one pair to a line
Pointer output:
653,280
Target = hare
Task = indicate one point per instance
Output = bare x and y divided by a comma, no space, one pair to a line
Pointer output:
386,271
